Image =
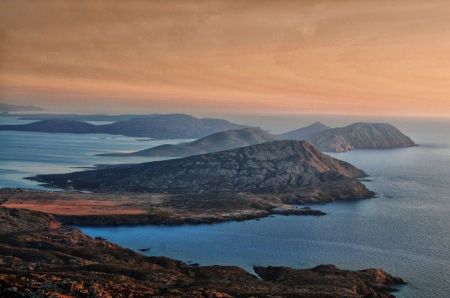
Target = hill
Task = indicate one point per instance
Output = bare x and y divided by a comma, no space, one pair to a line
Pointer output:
304,132
360,136
216,142
274,167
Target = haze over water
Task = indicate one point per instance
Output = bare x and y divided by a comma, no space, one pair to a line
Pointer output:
404,230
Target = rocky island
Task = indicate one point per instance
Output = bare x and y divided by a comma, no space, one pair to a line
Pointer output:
220,141
355,136
288,168
39,257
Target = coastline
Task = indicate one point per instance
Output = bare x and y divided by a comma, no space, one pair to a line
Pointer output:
116,209
41,257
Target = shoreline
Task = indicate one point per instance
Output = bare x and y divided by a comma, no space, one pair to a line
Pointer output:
41,257
100,209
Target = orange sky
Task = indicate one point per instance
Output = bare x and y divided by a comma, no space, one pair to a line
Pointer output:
358,57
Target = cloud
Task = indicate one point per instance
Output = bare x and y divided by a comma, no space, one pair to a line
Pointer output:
289,56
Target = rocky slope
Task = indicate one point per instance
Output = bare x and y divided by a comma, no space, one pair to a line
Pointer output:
274,167
171,126
360,136
216,142
41,258
303,133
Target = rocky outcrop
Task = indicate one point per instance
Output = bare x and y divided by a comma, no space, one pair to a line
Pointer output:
275,167
366,283
360,136
303,133
220,141
41,259
171,126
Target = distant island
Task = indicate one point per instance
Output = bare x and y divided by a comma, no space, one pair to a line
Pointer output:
5,108
80,117
179,126
170,126
360,135
220,141
355,136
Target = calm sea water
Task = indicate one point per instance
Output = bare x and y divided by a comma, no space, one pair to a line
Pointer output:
405,230
24,154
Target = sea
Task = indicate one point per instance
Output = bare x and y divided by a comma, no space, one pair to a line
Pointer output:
405,230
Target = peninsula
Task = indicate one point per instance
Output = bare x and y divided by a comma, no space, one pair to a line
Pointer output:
39,257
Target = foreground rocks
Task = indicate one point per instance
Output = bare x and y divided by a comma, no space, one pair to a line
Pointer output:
41,258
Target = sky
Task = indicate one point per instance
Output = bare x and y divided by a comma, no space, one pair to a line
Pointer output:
342,57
